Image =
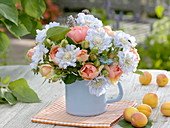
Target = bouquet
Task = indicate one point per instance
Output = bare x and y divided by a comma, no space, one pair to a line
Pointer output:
83,50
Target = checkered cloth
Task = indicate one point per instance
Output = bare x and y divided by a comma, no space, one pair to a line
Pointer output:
56,114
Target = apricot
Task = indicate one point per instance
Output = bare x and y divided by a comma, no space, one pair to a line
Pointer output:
146,78
145,109
165,109
150,99
138,120
128,113
162,80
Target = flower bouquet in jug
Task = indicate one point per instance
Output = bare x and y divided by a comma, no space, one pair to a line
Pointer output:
83,50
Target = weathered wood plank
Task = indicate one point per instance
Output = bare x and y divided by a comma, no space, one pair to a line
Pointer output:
19,115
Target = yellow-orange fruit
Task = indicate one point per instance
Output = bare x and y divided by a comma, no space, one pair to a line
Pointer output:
162,80
165,109
150,99
128,113
146,78
138,120
145,109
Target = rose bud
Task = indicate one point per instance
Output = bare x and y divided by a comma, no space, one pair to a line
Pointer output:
46,70
94,50
30,53
82,55
84,44
63,43
105,73
93,57
97,63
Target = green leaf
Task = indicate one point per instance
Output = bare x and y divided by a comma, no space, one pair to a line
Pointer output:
124,124
149,124
17,31
22,91
57,33
0,79
34,8
6,80
69,79
139,72
10,98
8,11
159,11
4,41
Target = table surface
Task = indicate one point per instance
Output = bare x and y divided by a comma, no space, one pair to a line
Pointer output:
19,115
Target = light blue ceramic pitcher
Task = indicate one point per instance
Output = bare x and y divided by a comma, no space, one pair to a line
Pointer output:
80,102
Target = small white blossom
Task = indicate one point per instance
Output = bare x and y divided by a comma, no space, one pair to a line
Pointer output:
41,34
127,61
66,56
124,40
37,58
98,86
88,20
99,38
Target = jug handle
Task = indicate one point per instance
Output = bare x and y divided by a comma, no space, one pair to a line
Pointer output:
119,97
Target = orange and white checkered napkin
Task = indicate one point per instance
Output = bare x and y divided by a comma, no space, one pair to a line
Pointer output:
56,114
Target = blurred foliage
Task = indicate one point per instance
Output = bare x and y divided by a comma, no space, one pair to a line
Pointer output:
102,15
20,17
154,52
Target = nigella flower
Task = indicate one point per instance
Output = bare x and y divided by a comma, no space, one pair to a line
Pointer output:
127,61
41,34
98,86
66,56
124,40
37,57
88,20
103,61
99,38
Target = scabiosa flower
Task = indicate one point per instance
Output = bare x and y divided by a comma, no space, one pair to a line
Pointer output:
37,57
98,86
41,34
124,40
88,20
127,61
66,56
99,39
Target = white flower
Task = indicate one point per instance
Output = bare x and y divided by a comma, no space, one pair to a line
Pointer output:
37,58
124,40
98,86
99,38
127,61
41,34
88,20
66,56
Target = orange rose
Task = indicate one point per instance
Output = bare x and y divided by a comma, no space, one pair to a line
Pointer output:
53,52
82,55
30,53
46,70
88,71
109,31
114,72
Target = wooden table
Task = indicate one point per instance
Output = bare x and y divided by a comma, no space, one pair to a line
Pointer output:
19,115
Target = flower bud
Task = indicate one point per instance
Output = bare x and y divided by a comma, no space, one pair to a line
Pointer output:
105,73
93,57
55,78
111,55
97,63
30,53
84,44
46,70
94,50
63,43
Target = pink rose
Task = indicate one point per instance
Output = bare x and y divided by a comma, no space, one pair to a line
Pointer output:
30,53
82,55
78,33
136,53
46,70
114,72
109,31
88,71
53,52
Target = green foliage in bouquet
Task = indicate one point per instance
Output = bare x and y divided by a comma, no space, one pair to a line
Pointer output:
154,52
17,90
20,17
